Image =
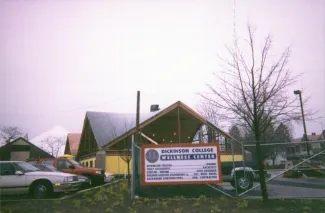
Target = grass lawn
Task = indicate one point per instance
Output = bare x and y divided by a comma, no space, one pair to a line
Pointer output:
115,199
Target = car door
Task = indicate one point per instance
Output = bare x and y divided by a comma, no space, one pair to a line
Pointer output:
63,165
10,183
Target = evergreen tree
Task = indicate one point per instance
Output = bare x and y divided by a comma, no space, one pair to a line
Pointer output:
235,132
282,134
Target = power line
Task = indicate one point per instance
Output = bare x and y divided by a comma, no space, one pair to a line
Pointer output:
98,104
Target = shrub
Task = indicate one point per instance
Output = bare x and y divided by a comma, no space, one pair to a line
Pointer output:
120,197
117,204
131,210
196,204
215,209
164,204
57,202
242,204
77,203
146,200
98,197
124,188
202,198
178,210
108,210
180,198
87,210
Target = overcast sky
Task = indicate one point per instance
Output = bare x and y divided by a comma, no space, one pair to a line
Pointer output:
59,58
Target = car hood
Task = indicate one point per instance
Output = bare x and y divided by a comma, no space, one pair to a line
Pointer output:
42,173
87,169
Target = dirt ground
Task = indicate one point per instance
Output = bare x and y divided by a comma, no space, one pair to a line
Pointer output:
115,199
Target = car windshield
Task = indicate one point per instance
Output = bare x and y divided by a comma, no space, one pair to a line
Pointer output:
52,168
42,168
26,167
75,163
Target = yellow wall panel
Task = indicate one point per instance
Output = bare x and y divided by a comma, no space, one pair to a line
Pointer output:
116,165
88,160
228,158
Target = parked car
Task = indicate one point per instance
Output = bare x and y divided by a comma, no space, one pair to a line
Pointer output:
108,177
241,177
18,177
85,182
96,176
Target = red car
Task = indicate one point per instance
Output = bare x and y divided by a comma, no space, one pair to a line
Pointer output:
97,176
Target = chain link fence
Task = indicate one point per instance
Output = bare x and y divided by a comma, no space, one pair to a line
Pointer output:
233,158
293,172
290,173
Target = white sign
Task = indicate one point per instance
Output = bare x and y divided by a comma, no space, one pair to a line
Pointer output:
168,164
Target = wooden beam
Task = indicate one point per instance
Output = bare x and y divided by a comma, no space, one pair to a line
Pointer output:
137,136
213,135
179,126
149,139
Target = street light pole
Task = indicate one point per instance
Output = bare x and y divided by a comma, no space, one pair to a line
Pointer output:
298,92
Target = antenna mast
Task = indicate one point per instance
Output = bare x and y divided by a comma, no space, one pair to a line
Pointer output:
234,21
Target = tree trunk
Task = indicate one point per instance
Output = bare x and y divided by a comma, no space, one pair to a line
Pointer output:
261,169
129,178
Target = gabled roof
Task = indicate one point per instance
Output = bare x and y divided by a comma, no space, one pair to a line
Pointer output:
31,144
108,127
313,137
310,137
74,141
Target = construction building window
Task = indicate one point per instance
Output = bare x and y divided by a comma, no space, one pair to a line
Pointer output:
87,163
91,163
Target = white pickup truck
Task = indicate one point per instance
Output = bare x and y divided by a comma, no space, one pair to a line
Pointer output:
18,177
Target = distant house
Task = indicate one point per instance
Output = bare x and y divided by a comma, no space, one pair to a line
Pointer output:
21,149
72,144
298,148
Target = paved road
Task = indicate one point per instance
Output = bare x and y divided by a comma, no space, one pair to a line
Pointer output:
286,188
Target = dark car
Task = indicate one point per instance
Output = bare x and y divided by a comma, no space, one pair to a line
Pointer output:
85,181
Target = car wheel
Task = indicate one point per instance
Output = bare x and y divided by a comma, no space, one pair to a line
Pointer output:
244,182
41,190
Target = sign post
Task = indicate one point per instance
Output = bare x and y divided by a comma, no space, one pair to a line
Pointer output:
171,164
133,173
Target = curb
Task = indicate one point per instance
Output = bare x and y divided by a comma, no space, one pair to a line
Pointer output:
284,198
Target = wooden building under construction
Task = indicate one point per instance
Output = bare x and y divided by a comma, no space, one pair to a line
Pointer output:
112,133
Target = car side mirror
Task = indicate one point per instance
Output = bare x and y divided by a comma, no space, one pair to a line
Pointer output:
71,167
19,173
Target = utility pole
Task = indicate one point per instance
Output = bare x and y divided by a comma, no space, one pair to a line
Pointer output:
137,141
298,92
137,134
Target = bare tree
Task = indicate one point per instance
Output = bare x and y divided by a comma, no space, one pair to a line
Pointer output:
125,147
53,145
126,152
253,92
209,112
8,133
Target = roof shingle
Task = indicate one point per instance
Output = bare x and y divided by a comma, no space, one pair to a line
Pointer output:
74,141
107,126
